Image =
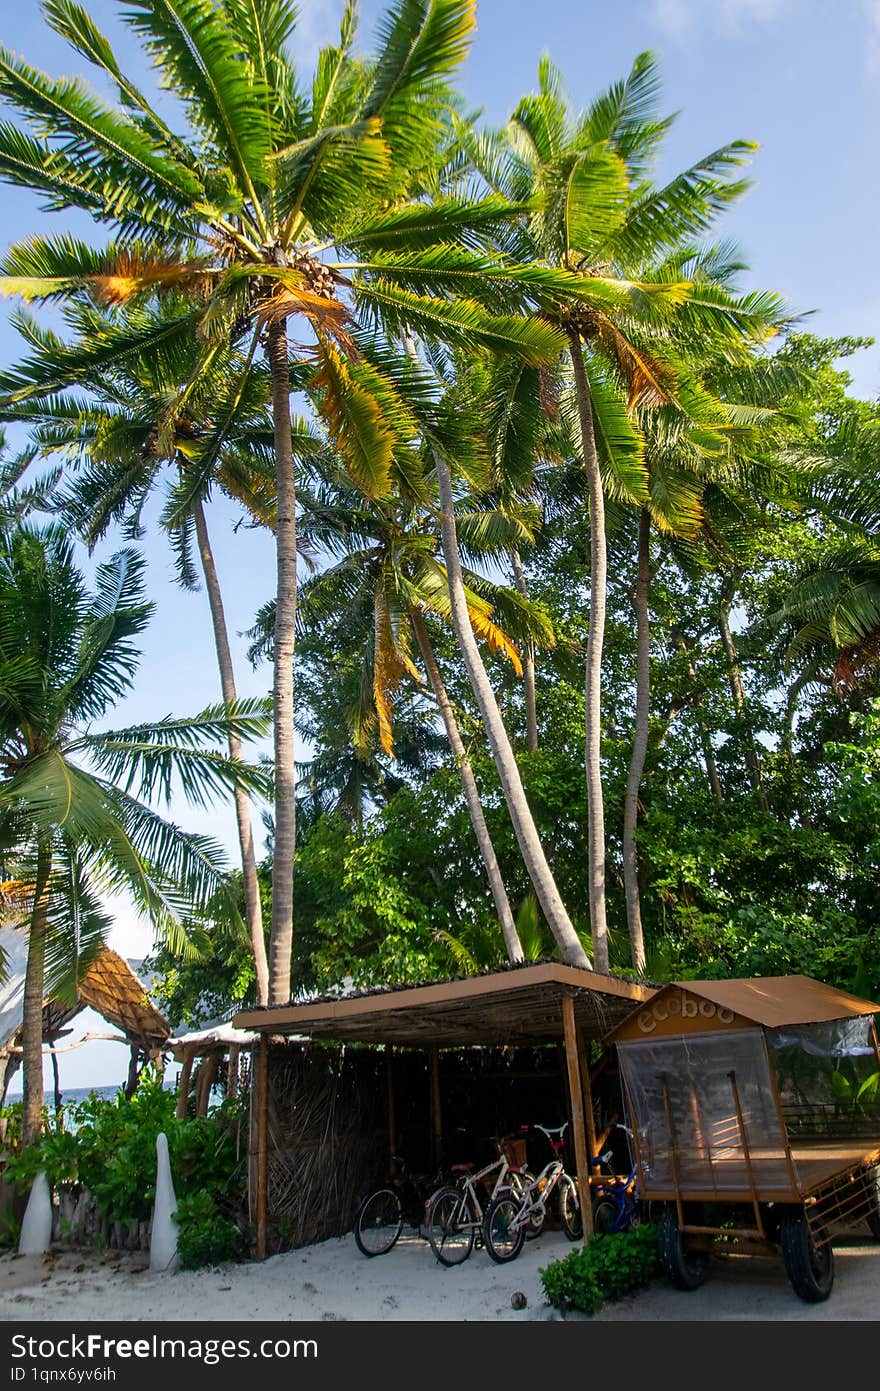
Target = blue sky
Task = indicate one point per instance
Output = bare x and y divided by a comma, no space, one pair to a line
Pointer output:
801,77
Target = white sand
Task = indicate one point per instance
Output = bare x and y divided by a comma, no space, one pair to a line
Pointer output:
333,1280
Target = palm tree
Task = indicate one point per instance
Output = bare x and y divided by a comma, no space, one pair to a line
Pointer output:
281,202
594,215
137,426
73,800
386,581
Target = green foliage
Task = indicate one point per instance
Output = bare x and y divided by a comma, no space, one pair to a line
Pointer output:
608,1268
207,1236
109,1148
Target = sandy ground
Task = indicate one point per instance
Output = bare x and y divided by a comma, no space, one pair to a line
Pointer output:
333,1281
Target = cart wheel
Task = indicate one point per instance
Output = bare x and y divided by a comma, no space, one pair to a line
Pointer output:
685,1269
808,1257
873,1218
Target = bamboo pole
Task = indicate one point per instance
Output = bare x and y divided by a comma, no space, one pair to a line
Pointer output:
569,1029
189,1054
262,1145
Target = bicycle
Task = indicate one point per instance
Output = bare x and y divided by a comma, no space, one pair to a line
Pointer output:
381,1214
616,1205
509,1215
454,1221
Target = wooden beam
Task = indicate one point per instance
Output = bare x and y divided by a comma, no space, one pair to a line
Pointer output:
189,1054
207,1074
262,1146
575,1091
589,1114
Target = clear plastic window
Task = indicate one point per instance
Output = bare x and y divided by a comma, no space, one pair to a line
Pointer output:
828,1079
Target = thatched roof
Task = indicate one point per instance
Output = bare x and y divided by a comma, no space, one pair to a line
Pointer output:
518,1004
109,986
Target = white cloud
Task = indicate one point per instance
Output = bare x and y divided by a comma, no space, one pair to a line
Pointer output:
679,17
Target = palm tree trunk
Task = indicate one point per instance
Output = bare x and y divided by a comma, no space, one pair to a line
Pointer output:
253,905
680,645
640,746
528,665
737,691
520,814
593,681
32,1015
512,944
281,938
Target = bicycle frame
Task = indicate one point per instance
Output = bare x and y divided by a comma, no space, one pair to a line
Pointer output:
469,1195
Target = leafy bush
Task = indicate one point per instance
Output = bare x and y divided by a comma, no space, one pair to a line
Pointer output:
206,1236
609,1267
109,1148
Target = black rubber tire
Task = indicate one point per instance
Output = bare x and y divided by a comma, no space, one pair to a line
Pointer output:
604,1217
499,1242
450,1239
808,1265
873,1217
378,1222
569,1209
684,1269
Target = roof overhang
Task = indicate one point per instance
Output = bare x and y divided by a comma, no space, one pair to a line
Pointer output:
520,1005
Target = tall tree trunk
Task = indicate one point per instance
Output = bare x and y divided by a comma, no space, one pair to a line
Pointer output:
528,664
512,944
253,906
737,691
705,739
593,681
32,1016
640,746
281,939
520,814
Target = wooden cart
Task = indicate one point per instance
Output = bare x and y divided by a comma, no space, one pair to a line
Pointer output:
755,1108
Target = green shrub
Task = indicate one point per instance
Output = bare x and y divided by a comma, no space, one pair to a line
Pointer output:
110,1149
608,1268
205,1235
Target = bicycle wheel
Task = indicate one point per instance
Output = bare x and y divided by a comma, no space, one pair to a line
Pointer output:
570,1219
450,1226
378,1222
605,1214
503,1242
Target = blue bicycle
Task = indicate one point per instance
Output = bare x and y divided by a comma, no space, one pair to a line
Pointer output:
616,1205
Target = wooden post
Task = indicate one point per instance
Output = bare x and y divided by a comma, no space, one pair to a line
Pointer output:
392,1120
576,1094
207,1074
189,1054
589,1114
56,1080
232,1070
747,1153
262,1145
436,1107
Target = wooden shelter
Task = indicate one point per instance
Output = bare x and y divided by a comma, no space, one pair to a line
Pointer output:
208,1047
519,1005
762,1094
109,986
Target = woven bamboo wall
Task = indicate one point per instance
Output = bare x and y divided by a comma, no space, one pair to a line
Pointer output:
327,1139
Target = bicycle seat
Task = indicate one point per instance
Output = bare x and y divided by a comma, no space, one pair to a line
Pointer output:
462,1168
